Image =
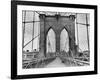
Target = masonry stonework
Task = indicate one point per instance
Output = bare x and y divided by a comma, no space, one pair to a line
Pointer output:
57,23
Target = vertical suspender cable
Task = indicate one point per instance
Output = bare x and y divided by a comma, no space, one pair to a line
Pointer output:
23,28
87,32
77,33
33,29
38,47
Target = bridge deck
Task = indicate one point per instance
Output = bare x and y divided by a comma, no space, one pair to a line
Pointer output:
56,63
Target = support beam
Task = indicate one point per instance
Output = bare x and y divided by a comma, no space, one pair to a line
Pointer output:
57,42
42,36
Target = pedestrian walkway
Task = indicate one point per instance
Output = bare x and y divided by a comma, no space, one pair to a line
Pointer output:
56,63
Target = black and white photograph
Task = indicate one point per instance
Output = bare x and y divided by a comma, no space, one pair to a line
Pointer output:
50,39
54,39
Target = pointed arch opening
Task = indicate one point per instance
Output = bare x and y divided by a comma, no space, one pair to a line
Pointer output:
64,41
50,41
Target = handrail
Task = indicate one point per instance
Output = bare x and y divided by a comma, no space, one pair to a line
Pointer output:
76,61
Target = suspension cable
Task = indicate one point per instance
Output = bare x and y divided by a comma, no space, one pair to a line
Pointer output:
24,28
31,40
87,32
33,29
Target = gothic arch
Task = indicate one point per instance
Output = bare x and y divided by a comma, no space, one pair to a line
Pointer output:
64,40
50,40
47,30
58,26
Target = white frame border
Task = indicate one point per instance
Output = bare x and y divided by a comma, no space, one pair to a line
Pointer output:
21,71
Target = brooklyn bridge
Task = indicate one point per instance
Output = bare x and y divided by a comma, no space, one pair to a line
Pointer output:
55,39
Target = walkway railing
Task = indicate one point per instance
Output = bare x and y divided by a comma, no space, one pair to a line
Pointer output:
37,62
74,62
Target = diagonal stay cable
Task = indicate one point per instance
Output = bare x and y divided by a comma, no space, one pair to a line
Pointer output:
31,40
